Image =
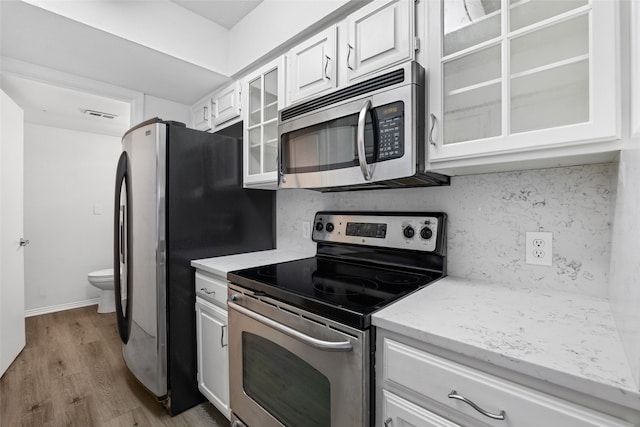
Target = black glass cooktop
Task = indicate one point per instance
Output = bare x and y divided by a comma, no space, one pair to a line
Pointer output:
343,291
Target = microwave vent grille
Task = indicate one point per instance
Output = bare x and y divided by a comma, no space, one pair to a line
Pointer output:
367,86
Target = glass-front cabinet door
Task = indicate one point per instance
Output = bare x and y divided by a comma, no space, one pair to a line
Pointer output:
519,75
263,98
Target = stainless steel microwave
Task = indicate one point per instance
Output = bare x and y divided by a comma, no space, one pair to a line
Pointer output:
367,135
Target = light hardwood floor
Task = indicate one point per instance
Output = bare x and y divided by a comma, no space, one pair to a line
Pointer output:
71,373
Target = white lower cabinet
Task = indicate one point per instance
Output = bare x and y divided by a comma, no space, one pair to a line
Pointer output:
417,388
213,356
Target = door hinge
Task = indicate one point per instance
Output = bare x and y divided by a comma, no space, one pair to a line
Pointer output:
416,43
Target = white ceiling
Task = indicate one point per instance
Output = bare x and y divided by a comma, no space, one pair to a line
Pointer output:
223,12
51,105
33,35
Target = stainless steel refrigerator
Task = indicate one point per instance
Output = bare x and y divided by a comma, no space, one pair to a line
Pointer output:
178,197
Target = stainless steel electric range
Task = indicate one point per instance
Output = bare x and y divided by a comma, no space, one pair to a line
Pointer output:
300,334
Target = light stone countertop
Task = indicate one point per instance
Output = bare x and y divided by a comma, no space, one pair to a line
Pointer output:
220,266
565,339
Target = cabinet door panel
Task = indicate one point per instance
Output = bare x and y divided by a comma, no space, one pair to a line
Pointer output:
263,97
201,116
312,66
226,104
379,35
213,360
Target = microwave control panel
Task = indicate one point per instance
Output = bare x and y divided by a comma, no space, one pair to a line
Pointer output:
390,119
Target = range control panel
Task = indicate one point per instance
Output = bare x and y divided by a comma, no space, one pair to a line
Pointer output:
420,231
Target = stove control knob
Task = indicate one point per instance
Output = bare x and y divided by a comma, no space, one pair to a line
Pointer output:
329,227
319,226
408,232
426,233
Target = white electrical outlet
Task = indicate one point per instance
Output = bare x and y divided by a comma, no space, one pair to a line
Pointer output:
306,229
539,247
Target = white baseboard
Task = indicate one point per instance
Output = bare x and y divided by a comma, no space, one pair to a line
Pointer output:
60,307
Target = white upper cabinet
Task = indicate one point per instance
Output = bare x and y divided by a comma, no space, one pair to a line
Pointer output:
218,110
379,35
201,115
312,66
532,77
263,96
226,104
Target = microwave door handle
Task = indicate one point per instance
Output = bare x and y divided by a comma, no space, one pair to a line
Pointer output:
367,172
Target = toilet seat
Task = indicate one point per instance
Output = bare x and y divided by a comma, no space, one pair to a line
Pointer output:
101,276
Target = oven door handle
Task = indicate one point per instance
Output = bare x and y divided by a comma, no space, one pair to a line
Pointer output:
367,170
304,338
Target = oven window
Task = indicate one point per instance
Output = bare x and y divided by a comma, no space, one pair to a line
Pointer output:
290,389
326,146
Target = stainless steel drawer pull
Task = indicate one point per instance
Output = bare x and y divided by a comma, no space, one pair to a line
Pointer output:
388,422
207,291
455,395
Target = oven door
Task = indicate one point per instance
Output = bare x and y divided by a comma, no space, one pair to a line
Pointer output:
362,140
292,368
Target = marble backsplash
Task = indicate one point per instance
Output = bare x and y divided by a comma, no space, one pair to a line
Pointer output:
488,216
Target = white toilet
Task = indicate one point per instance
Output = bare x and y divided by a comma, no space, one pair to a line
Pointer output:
103,280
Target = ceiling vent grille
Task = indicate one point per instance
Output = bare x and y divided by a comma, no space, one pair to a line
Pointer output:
94,113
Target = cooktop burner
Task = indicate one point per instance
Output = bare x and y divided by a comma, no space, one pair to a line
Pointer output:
344,285
364,262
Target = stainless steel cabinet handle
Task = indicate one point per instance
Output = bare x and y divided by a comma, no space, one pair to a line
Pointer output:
304,338
349,49
362,156
455,395
207,291
388,422
222,344
205,111
23,241
326,64
433,125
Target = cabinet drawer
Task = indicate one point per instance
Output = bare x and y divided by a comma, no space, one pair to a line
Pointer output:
436,379
211,289
399,412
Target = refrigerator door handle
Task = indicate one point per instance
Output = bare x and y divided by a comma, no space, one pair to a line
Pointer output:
122,245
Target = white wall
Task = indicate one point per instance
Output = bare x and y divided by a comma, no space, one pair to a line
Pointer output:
166,110
488,216
625,265
67,173
161,25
